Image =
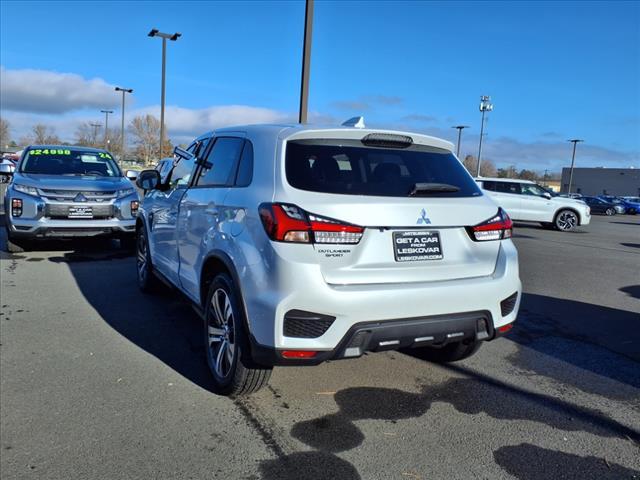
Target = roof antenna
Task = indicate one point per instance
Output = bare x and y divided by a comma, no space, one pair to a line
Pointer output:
355,122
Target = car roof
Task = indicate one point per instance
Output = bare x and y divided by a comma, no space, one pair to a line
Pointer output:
493,179
293,131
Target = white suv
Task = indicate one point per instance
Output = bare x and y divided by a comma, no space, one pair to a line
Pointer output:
299,245
527,201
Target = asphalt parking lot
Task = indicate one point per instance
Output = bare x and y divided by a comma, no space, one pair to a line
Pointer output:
99,381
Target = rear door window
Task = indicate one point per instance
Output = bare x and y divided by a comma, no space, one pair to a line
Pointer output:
507,187
348,167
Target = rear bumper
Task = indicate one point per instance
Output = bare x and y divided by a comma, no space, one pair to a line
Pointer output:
416,308
394,334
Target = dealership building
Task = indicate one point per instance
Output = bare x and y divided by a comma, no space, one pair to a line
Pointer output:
602,181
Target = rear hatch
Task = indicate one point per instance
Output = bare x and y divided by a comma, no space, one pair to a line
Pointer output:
414,201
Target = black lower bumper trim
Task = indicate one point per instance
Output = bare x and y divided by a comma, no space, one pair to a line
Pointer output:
392,335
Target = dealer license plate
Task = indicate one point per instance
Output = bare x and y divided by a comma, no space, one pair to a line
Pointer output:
80,212
416,246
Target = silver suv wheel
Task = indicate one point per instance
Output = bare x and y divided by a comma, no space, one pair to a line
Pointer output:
221,345
566,220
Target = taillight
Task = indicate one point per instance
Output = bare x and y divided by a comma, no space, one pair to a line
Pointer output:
289,223
498,227
16,207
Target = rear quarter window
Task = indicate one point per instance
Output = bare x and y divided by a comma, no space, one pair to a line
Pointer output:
348,167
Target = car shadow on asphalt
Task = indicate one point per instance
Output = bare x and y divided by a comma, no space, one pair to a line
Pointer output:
163,324
601,340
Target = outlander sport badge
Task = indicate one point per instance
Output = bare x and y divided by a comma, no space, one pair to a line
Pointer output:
423,218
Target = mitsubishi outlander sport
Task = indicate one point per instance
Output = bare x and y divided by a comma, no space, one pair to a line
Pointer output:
62,191
299,244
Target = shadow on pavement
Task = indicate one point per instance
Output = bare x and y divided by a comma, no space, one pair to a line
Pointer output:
632,291
529,462
601,340
162,324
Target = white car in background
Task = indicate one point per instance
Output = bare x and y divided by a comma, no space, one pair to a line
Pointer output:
526,201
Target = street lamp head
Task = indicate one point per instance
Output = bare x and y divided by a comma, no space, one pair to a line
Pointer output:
575,140
106,111
153,32
127,90
461,127
175,36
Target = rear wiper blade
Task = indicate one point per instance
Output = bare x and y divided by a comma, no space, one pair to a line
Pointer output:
419,188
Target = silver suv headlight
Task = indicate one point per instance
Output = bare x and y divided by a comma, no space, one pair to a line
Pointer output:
26,189
125,192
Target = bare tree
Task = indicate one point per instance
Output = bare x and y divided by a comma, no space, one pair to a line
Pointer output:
146,131
4,133
85,135
41,135
487,167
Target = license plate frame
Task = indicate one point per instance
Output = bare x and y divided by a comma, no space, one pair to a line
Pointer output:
80,212
427,249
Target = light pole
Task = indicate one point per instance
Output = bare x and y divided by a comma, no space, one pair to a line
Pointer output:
95,126
173,37
306,62
106,126
485,106
575,141
460,128
123,90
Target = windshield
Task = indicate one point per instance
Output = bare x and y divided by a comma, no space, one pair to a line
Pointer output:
69,161
348,167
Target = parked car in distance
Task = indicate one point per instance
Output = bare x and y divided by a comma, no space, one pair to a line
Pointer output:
526,201
598,205
622,205
62,191
300,244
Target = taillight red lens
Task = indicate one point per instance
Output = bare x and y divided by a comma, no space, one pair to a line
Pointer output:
289,223
498,227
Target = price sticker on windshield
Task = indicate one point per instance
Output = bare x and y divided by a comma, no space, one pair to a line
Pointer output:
47,151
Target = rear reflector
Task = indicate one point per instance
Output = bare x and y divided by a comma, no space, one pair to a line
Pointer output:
505,328
498,227
298,353
289,223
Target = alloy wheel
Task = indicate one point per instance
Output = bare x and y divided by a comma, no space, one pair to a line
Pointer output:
142,260
567,220
221,341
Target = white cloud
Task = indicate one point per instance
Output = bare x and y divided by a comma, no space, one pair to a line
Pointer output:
43,91
193,122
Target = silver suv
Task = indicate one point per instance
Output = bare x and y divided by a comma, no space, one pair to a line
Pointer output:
64,191
299,245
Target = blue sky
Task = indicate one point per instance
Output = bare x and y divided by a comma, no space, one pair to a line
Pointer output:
554,70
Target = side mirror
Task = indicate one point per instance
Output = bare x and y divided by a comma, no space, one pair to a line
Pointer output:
132,175
7,169
148,180
547,195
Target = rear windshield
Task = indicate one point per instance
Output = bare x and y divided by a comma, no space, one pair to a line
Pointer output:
69,161
348,167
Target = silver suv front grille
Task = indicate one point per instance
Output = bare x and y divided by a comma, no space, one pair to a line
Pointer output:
71,195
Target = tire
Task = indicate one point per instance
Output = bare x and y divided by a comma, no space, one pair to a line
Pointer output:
565,220
451,352
227,349
147,281
609,212
14,245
